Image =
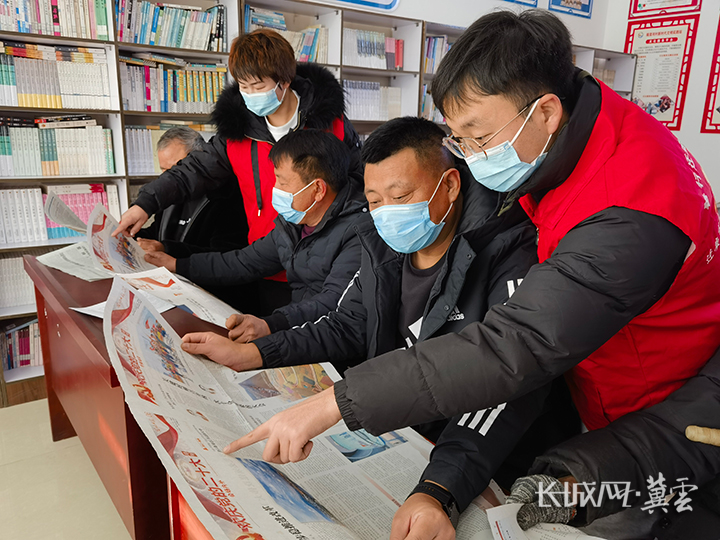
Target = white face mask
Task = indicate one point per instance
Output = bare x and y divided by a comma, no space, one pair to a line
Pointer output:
263,103
502,169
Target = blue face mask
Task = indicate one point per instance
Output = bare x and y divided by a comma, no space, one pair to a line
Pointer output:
263,103
407,228
282,202
502,170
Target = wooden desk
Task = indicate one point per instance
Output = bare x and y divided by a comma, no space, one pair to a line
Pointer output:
85,399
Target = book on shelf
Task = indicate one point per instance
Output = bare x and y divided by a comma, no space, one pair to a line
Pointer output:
23,216
436,47
605,75
309,45
16,287
371,101
141,143
171,25
428,110
369,49
155,87
87,19
53,77
20,344
27,149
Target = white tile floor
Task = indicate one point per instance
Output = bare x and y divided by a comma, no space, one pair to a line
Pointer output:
48,490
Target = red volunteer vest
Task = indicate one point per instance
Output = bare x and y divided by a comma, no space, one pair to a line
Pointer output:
256,178
632,161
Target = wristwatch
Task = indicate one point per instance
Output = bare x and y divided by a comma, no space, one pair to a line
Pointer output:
443,496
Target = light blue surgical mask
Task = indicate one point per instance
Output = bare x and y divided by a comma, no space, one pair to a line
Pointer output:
407,228
282,202
263,103
499,168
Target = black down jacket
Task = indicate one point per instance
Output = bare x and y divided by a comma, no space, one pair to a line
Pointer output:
647,443
318,266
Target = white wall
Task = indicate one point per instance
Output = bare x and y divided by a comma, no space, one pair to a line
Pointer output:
590,32
704,146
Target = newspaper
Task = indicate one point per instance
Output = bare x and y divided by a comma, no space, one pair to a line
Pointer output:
121,254
190,408
60,213
349,487
76,260
98,310
504,526
105,256
163,284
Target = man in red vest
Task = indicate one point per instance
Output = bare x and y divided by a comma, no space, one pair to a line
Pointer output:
271,97
625,301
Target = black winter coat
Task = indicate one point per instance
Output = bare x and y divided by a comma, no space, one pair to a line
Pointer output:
648,442
318,266
487,259
201,225
486,253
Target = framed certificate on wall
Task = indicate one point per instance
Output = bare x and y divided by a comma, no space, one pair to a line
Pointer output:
653,8
711,112
664,49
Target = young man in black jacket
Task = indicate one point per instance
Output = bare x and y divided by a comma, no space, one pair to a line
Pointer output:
428,268
313,240
207,223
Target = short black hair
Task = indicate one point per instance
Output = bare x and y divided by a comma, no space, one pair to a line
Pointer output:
517,55
314,154
423,136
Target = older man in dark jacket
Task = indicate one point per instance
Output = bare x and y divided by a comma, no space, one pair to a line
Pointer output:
313,241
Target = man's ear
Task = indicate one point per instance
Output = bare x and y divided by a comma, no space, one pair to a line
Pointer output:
321,189
453,183
551,112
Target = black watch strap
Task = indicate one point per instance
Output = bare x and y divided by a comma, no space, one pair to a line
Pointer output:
443,496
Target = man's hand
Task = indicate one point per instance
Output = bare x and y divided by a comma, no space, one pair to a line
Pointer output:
131,221
526,490
245,328
288,433
150,245
237,356
421,518
160,258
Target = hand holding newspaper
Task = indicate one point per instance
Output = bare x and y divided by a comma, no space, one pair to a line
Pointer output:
190,409
104,256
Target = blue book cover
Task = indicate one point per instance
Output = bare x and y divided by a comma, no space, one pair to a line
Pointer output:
313,50
183,18
164,105
147,22
153,29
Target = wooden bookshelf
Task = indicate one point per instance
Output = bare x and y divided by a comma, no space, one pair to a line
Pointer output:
17,311
52,242
53,40
173,51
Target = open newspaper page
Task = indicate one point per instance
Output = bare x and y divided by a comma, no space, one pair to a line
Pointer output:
349,487
120,255
60,213
163,284
190,409
75,260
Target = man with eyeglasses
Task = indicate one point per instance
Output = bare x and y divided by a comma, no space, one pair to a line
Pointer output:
625,301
